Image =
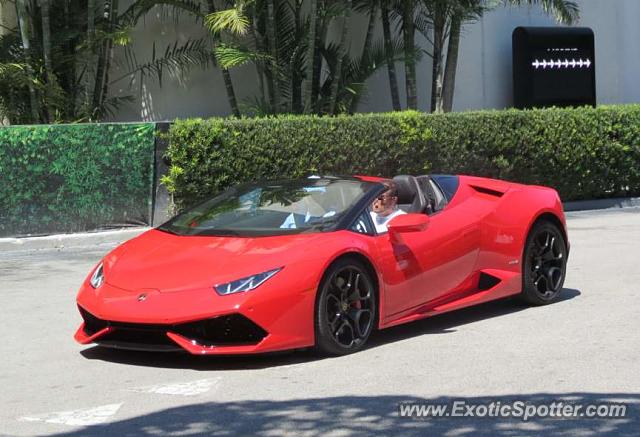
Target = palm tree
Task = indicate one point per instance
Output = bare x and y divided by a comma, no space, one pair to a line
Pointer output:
408,10
57,64
226,75
388,48
290,47
25,35
341,54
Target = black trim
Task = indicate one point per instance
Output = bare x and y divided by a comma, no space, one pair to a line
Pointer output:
488,191
113,344
487,281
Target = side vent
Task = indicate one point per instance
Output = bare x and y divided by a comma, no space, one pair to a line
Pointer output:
488,191
487,281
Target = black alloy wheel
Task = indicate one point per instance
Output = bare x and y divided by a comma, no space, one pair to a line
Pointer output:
545,264
345,308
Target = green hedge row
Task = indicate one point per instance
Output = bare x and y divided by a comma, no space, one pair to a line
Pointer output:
585,153
69,178
209,155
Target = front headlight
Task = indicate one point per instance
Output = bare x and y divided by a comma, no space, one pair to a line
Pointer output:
97,279
245,284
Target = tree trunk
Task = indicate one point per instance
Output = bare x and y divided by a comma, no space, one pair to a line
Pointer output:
408,30
296,78
46,50
89,79
23,22
231,94
373,16
391,65
226,75
113,21
273,51
342,52
313,23
321,34
101,66
257,38
439,25
68,79
451,63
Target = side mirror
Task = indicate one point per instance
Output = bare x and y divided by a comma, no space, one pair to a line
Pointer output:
408,223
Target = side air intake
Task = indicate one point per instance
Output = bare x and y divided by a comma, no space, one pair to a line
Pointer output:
488,191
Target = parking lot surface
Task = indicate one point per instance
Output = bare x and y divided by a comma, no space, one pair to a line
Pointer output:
584,349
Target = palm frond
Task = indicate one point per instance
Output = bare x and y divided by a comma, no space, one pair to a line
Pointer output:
231,20
176,59
230,56
140,8
564,11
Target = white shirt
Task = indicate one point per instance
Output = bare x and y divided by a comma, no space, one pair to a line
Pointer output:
380,222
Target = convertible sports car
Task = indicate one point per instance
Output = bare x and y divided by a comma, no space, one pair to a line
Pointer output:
299,263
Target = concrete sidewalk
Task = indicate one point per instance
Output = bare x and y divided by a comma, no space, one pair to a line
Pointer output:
61,241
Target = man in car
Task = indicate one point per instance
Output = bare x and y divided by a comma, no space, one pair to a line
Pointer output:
385,207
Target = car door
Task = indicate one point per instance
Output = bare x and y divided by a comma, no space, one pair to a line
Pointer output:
426,265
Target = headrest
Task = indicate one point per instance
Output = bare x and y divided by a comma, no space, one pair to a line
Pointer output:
408,188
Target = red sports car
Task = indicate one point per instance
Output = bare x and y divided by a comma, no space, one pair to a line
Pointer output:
314,262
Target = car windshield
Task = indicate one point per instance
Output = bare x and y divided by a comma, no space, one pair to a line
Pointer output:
272,208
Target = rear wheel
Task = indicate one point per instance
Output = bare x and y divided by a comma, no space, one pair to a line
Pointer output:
345,308
544,264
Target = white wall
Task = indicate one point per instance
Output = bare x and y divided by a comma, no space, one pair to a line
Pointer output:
484,70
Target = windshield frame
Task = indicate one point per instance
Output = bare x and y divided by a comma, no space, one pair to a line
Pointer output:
344,222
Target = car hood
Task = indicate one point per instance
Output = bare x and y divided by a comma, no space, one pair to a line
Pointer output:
170,263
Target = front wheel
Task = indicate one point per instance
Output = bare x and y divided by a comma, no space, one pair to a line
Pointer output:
345,308
544,264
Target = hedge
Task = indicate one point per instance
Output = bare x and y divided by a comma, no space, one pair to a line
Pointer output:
67,178
585,153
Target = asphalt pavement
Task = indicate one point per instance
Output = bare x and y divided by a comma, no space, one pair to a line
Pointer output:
583,349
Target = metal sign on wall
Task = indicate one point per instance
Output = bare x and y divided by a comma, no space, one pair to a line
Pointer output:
553,66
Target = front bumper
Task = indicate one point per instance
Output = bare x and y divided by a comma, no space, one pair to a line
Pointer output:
231,332
197,321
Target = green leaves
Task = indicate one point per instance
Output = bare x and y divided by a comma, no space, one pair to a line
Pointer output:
229,56
232,20
69,178
564,11
582,152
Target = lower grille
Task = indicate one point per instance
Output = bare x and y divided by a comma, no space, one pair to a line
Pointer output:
138,339
233,329
228,330
92,324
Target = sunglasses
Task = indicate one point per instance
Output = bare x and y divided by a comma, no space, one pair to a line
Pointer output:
383,196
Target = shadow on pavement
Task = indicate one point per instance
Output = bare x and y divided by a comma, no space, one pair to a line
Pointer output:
371,415
441,324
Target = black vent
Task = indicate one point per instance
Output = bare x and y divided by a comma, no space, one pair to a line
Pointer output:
488,191
233,329
139,339
487,281
92,324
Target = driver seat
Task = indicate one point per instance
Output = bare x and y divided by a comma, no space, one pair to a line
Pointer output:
410,197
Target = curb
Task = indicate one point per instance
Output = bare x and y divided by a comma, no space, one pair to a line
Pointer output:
614,203
63,241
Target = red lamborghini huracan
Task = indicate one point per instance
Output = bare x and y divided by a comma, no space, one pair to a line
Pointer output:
298,263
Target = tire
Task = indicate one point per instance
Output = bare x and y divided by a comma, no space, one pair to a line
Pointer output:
346,308
544,264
